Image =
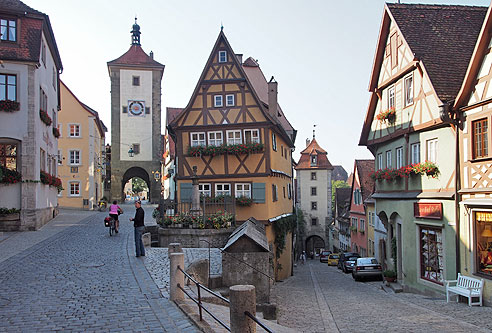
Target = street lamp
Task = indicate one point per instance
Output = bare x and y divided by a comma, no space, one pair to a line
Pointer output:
131,153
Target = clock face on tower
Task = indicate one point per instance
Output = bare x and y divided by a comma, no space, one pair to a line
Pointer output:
136,108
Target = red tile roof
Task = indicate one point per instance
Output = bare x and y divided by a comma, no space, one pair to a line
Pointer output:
313,149
171,114
31,24
136,56
364,170
443,37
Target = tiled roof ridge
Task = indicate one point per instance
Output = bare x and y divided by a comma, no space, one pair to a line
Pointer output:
18,6
434,6
250,62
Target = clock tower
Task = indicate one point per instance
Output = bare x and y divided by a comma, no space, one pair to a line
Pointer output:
135,119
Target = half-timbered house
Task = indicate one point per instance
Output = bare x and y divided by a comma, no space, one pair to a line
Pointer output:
235,133
472,113
420,61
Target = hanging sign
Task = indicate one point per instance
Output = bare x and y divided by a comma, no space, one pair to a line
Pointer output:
428,210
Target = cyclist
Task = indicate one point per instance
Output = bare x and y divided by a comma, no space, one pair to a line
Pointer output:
114,211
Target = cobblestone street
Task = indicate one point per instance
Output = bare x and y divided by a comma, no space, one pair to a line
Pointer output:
319,298
71,275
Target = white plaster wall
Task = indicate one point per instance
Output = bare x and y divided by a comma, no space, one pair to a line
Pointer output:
323,179
14,124
136,129
10,196
91,159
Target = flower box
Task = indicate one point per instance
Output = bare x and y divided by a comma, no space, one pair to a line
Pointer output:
388,115
427,168
10,217
244,201
45,118
56,132
247,148
8,176
9,106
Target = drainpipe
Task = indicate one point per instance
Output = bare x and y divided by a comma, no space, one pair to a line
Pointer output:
450,116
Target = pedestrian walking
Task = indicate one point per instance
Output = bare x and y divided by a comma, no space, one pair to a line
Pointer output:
138,224
303,257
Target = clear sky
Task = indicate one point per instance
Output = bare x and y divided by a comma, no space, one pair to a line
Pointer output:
320,52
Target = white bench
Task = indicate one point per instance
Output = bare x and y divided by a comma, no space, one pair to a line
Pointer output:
465,286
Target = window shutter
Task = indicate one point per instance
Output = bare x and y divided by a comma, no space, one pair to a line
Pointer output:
185,191
259,192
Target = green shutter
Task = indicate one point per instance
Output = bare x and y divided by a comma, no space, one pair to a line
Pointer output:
259,192
185,192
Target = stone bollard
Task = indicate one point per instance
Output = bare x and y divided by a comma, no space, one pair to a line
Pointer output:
174,248
243,298
176,276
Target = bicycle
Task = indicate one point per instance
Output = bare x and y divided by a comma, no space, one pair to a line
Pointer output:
110,223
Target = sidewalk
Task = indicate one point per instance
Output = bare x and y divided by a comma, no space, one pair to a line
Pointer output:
12,243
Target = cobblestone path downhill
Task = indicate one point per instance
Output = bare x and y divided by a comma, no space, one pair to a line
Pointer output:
80,279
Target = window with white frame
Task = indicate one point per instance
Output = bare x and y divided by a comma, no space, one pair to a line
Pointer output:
362,224
234,137
354,222
432,150
230,100
251,136
205,190
391,97
74,130
8,30
408,83
380,161
243,190
415,150
215,138
274,193
198,139
388,159
274,142
399,157
222,56
74,189
222,189
218,101
74,157
8,87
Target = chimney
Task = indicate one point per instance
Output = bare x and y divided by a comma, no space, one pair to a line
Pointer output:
152,54
272,96
307,142
239,58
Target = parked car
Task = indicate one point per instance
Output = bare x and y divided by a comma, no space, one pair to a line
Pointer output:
344,256
349,263
367,267
323,257
333,259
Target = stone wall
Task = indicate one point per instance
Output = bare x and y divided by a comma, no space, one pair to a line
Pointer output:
192,237
234,272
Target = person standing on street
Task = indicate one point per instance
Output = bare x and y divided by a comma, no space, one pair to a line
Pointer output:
138,223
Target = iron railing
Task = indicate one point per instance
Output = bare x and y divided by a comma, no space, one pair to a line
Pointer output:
201,307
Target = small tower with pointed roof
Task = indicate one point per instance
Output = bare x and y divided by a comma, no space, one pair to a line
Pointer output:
135,118
314,173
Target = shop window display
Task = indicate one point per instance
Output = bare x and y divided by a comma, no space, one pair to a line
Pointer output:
483,227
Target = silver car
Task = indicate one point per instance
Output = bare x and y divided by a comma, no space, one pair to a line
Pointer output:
367,267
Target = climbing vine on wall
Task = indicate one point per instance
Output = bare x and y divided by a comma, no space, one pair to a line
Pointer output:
282,227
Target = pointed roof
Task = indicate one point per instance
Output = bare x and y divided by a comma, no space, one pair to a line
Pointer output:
258,85
322,158
136,57
443,38
481,47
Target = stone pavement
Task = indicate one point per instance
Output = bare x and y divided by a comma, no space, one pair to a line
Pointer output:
71,275
319,298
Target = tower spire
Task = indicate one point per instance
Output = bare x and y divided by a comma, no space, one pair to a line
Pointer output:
135,33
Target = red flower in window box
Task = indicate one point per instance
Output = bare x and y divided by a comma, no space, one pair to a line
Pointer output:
8,176
388,115
9,106
56,132
45,118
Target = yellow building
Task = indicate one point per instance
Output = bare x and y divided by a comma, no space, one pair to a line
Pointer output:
236,134
80,153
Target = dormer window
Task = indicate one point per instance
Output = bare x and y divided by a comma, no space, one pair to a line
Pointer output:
314,160
8,30
222,56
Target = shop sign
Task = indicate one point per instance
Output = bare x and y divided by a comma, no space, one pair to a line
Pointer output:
428,210
483,216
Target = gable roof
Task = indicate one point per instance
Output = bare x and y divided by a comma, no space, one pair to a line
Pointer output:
171,114
251,229
256,89
28,46
364,168
443,38
313,149
475,63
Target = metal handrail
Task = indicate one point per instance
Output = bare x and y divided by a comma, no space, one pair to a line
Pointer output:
203,287
248,314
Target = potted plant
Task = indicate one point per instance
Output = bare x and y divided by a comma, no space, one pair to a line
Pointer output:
389,275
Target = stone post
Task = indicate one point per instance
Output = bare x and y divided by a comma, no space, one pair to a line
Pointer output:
195,194
174,248
176,276
242,299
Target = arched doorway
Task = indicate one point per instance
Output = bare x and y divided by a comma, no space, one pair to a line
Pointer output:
135,173
314,244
